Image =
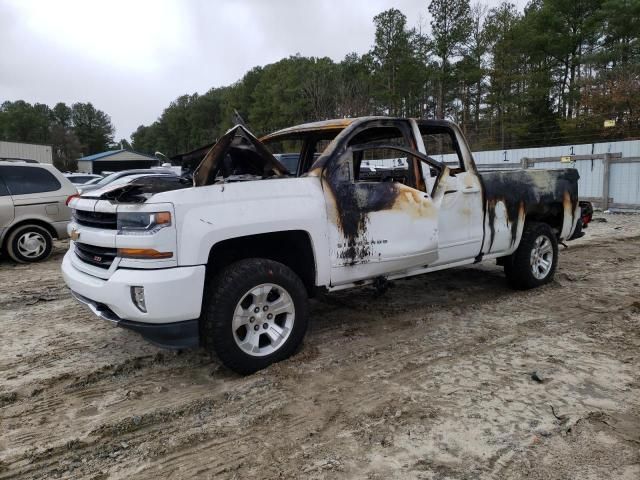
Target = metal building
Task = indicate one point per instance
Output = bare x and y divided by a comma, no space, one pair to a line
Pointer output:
29,152
115,161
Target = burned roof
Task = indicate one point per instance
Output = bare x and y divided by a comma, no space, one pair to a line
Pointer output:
337,124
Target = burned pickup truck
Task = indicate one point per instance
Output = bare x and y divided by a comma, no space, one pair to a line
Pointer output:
228,260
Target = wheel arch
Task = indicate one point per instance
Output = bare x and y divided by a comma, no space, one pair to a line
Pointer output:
550,213
28,221
293,248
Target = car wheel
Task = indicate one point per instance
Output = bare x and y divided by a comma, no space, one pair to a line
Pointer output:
535,261
255,314
29,243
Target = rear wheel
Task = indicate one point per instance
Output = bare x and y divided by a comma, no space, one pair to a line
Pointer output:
255,314
535,261
29,243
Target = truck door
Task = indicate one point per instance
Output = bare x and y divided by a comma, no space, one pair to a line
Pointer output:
382,219
460,217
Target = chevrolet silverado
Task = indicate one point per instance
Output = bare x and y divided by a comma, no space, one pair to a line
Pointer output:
228,259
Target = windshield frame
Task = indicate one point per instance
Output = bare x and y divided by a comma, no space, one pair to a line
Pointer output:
310,139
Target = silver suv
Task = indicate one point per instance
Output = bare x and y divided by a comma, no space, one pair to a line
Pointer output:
33,209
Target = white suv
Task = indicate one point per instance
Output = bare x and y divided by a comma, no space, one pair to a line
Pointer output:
33,209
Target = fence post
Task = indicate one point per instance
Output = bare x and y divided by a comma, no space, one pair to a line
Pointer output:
605,181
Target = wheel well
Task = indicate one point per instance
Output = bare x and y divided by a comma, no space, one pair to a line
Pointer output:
292,248
551,214
33,221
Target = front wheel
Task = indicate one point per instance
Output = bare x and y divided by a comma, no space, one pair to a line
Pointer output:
255,314
535,261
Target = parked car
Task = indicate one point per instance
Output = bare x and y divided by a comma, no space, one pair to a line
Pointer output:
33,209
117,175
82,178
147,181
230,262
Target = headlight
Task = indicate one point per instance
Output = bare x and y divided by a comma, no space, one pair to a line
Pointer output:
136,223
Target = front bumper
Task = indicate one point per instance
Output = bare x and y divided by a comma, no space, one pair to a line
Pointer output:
175,335
171,295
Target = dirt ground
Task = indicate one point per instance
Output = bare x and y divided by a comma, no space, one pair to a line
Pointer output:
432,380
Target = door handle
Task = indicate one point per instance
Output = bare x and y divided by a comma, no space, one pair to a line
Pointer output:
471,189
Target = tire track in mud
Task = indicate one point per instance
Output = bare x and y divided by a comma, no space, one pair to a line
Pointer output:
333,409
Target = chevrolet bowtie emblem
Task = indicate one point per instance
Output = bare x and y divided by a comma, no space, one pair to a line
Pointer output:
75,234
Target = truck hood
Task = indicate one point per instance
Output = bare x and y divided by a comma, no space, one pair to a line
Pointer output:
237,156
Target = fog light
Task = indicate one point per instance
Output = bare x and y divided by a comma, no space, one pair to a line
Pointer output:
137,296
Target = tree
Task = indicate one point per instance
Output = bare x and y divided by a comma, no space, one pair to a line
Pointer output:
124,144
23,122
473,69
66,148
620,32
505,64
390,51
92,127
61,114
354,97
451,26
319,89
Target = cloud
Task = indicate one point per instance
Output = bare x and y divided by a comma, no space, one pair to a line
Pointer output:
131,58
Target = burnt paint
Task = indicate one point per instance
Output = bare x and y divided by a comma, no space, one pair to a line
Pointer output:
522,192
355,201
525,193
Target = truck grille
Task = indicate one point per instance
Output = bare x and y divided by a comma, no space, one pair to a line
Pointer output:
107,221
99,256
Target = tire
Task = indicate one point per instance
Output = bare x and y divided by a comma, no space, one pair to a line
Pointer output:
538,242
29,243
245,339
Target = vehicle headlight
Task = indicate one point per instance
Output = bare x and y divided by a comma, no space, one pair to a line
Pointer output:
136,223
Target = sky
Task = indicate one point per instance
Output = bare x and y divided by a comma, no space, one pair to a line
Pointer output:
131,58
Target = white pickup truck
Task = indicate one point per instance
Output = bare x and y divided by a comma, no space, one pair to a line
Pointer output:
227,260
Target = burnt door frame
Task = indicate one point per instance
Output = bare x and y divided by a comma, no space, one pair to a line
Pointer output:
376,228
